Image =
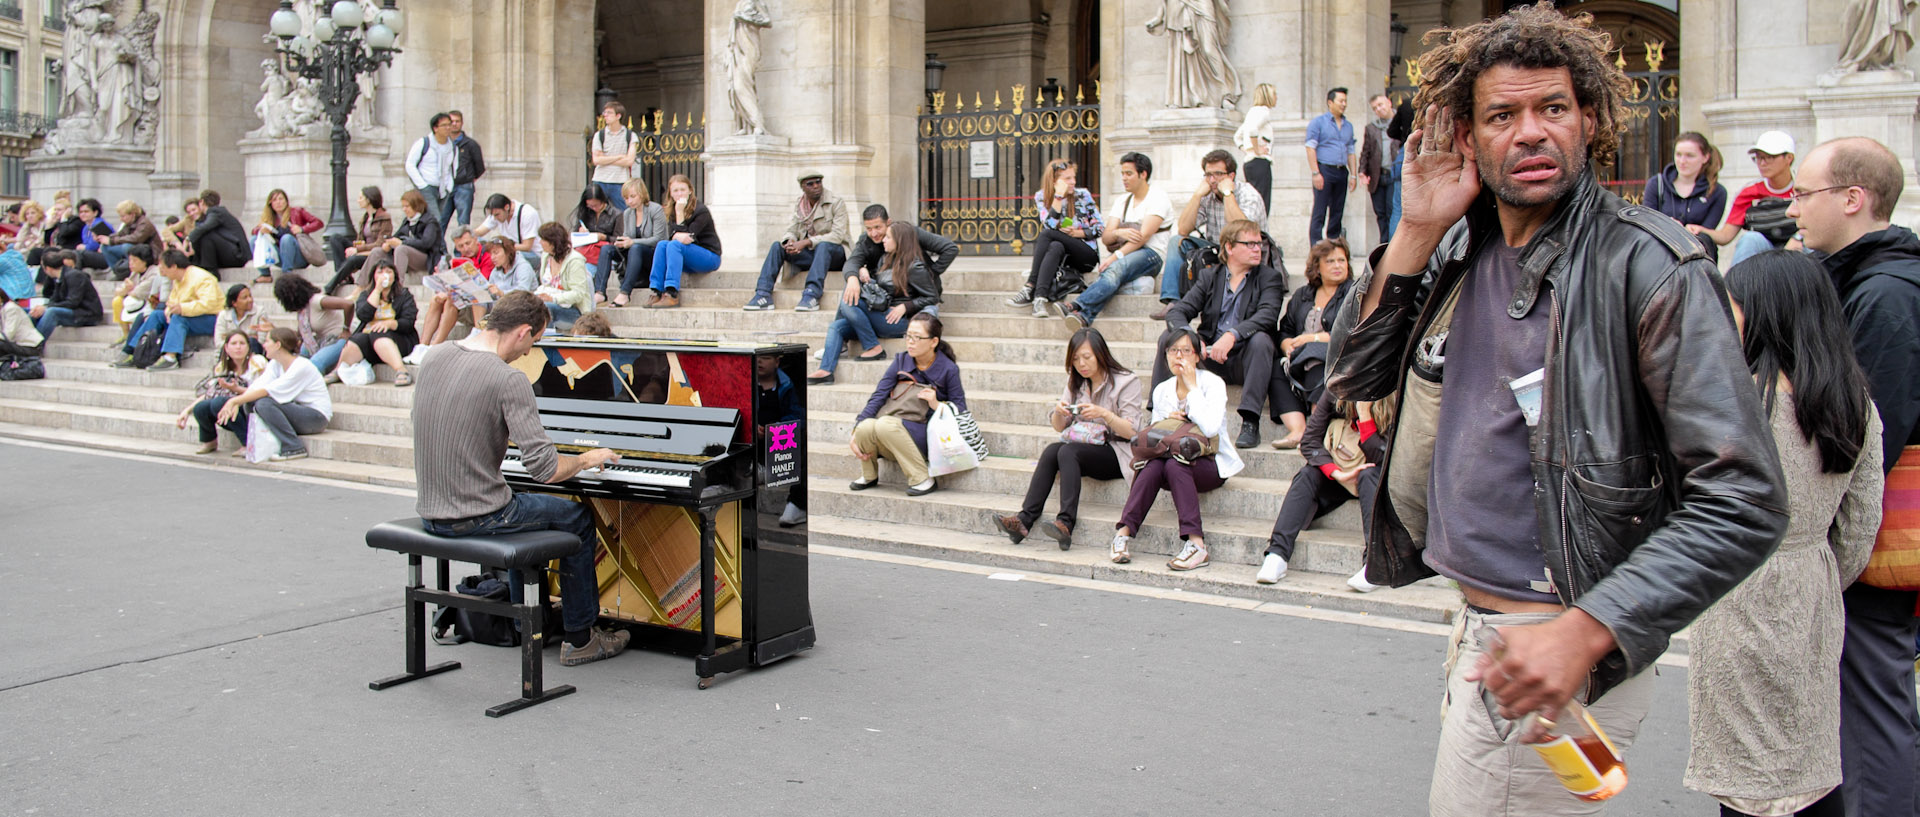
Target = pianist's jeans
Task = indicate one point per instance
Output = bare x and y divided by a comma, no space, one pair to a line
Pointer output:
579,589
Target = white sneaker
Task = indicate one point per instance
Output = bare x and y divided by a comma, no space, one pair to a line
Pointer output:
414,357
1360,584
1272,569
1040,308
1118,549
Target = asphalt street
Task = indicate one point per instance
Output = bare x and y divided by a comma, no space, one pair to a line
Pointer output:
183,640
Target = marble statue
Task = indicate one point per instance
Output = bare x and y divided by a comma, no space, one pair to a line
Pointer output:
110,79
285,108
1876,35
1198,74
743,59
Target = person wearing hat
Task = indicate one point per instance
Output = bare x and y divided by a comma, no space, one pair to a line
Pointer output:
816,240
1773,154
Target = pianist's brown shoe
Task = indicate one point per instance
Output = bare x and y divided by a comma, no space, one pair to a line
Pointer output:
600,644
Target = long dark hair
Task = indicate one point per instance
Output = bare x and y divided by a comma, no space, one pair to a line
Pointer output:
1794,327
906,251
582,215
1091,338
934,330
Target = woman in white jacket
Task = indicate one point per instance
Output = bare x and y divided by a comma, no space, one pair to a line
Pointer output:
1255,140
1197,396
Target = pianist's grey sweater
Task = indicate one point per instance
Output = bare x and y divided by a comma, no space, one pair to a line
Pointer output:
466,405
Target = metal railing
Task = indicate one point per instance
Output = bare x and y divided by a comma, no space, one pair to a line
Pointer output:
979,165
22,122
56,18
10,11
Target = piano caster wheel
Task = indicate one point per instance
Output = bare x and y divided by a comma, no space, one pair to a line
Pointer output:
706,682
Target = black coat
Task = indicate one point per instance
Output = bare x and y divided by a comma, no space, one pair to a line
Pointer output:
468,163
1259,307
221,224
423,234
1293,320
1878,277
938,251
73,290
405,312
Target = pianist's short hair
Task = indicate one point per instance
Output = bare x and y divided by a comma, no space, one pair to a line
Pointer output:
516,309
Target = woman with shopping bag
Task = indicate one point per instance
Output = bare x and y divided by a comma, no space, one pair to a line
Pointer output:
287,400
894,423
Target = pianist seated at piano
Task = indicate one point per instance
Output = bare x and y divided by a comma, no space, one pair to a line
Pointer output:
565,285
897,428
384,317
879,305
469,403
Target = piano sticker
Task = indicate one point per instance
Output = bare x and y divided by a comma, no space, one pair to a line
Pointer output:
783,454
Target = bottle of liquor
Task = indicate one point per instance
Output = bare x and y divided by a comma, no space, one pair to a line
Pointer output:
1572,744
1578,751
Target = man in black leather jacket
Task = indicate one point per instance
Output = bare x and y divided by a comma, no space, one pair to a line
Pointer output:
1636,486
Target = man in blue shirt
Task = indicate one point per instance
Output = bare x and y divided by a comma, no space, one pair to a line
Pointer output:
1330,153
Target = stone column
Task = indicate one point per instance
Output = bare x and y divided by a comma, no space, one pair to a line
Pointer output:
110,174
837,85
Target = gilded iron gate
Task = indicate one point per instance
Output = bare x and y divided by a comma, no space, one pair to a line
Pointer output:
980,166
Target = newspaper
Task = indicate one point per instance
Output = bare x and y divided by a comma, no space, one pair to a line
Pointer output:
463,283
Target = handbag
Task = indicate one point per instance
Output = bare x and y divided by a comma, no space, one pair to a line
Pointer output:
212,386
970,431
16,367
356,374
948,450
1895,564
1178,439
310,248
1085,432
904,401
261,444
266,250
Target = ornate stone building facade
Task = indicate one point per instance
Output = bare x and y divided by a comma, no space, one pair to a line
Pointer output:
842,86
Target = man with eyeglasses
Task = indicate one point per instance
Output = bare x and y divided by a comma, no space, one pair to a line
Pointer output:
816,240
1238,304
1772,153
1221,199
1844,203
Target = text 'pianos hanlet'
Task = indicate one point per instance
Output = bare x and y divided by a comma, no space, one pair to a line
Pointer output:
703,520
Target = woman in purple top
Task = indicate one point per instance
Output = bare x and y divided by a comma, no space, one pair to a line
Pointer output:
928,361
1069,224
1689,189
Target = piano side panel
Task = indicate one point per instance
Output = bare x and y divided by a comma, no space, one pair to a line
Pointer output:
778,605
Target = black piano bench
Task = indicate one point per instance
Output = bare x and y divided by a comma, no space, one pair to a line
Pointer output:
530,552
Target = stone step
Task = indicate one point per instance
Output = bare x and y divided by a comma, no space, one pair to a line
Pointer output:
314,466
951,300
1429,600
1231,539
381,420
345,446
1245,494
1013,407
810,326
182,381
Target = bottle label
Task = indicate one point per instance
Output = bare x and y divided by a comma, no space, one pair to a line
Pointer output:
1571,765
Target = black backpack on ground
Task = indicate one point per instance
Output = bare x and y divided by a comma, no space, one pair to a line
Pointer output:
147,351
480,628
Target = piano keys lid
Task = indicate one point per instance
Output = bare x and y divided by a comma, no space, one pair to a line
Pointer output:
642,430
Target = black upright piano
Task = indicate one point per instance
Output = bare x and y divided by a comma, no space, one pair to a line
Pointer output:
702,522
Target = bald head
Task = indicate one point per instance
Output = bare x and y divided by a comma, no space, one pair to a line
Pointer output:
1846,188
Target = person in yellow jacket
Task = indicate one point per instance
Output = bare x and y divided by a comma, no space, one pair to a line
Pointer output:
193,308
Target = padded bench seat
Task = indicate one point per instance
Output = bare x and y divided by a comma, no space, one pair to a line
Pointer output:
530,552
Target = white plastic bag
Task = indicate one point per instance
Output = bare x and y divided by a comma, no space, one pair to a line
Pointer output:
266,250
261,444
947,449
356,374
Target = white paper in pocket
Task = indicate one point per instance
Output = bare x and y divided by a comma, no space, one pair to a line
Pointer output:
1526,392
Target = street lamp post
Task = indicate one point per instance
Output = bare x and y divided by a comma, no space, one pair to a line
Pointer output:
346,43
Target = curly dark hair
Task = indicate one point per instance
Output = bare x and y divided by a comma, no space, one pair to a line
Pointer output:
1536,36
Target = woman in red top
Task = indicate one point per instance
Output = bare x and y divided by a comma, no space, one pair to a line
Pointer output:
284,223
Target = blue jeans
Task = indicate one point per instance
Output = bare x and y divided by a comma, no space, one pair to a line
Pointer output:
328,356
562,317
117,254
671,258
1138,264
290,256
823,257
176,330
463,203
55,316
865,324
207,411
1175,266
612,189
579,587
1748,245
439,205
639,264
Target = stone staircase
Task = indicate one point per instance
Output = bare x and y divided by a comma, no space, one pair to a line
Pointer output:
1011,363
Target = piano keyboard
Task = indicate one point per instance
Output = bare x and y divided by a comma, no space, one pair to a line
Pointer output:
652,475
